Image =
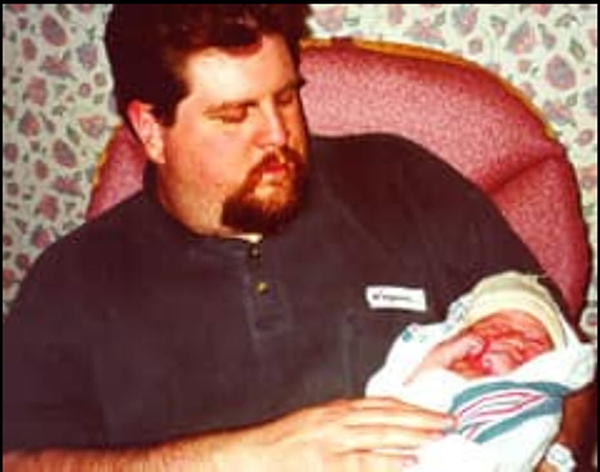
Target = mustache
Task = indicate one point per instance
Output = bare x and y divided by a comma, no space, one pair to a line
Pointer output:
291,159
283,156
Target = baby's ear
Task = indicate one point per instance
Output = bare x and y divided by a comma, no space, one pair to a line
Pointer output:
148,129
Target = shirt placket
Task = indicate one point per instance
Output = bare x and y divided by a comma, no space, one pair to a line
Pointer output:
266,304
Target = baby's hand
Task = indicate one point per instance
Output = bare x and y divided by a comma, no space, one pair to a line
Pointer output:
448,354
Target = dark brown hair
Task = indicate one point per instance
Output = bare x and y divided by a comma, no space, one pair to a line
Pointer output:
148,44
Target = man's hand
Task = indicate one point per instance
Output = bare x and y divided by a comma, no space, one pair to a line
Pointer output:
371,434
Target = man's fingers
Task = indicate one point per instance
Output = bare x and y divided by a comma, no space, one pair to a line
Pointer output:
391,412
381,461
384,424
386,438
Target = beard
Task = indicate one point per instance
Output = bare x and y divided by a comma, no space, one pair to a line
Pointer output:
254,209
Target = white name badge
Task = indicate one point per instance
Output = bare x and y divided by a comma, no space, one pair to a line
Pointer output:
380,297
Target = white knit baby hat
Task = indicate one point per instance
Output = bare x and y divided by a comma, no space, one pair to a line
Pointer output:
513,290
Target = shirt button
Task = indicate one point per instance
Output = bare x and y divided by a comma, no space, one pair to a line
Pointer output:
254,251
261,287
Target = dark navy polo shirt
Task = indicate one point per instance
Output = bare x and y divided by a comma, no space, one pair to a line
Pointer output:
133,330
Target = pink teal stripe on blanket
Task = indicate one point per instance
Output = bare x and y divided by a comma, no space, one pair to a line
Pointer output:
488,410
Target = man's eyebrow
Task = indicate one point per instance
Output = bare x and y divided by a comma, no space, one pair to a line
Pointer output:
228,105
296,82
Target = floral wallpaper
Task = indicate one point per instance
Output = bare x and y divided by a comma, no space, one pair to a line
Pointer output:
58,112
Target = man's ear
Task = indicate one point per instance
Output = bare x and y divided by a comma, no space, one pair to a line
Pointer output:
148,129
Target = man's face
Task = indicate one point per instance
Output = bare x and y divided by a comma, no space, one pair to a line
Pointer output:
233,162
500,343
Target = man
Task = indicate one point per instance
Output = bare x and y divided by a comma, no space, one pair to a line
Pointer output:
217,320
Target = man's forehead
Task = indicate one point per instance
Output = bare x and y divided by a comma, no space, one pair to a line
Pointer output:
223,75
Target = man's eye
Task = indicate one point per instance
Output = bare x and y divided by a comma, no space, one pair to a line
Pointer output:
286,97
232,116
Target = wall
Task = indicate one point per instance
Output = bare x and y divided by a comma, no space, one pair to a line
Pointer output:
58,110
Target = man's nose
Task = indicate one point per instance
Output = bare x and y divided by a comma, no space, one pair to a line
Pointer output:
274,131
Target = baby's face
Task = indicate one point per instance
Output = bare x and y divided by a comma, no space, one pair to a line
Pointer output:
501,343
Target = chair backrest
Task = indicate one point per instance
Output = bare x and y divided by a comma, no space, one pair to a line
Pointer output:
465,114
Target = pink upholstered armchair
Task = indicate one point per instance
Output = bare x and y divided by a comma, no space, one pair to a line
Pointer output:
466,115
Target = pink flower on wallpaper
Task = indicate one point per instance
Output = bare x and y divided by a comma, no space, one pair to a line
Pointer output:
29,125
558,112
9,278
94,126
85,90
48,207
17,7
585,137
56,67
7,240
29,49
23,23
426,32
395,14
63,154
588,177
464,18
10,152
87,54
53,32
331,19
522,40
36,91
40,170
41,237
541,9
67,185
559,74
23,262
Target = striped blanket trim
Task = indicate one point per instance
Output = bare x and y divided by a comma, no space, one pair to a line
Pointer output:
488,410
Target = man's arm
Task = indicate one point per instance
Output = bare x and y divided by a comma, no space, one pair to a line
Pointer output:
579,427
361,434
578,430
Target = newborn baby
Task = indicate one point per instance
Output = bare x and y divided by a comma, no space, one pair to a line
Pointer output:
495,344
501,363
